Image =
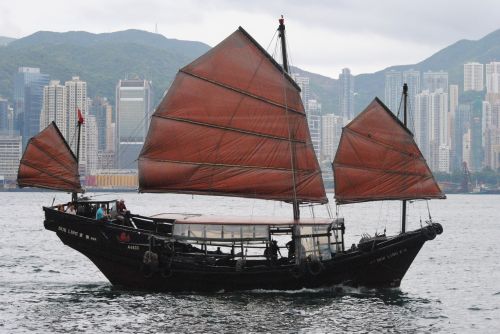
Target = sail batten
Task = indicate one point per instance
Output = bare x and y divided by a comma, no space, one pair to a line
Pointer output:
49,163
378,159
232,124
242,92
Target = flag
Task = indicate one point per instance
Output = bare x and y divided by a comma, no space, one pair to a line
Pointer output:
80,117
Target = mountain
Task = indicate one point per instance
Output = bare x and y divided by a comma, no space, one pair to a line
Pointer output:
99,59
450,59
5,40
103,59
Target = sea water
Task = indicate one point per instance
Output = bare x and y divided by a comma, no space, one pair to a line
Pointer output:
453,286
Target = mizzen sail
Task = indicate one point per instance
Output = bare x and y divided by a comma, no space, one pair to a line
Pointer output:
232,124
377,159
49,163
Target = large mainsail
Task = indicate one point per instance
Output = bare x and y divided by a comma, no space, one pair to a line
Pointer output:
232,123
377,159
49,163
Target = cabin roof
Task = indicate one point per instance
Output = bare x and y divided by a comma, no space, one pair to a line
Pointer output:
238,220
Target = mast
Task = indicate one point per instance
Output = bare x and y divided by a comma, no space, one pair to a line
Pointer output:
296,207
405,111
74,195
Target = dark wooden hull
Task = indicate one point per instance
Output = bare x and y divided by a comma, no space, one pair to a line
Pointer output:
118,252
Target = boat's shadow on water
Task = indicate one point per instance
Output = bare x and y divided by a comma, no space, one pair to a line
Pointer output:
394,296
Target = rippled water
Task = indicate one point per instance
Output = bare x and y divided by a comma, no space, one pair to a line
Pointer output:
452,287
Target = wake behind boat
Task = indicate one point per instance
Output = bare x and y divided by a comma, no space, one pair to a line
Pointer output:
233,124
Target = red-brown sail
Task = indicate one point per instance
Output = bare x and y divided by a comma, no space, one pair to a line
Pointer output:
378,159
49,163
232,124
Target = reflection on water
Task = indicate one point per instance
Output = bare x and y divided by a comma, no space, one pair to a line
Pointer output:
453,285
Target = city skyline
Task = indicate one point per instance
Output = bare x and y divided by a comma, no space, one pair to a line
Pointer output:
359,37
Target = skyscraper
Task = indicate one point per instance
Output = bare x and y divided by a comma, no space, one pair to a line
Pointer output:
133,108
412,78
493,78
92,135
54,107
346,94
314,123
433,81
303,83
76,99
473,77
4,115
393,90
102,110
452,111
331,129
28,95
10,154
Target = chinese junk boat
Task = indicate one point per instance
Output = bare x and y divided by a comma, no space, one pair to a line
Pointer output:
233,124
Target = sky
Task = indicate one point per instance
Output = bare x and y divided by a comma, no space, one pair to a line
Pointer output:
323,36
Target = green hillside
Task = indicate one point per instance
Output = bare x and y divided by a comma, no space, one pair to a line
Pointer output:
99,59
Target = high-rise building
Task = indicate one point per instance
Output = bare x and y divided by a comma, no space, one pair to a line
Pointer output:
103,111
28,95
303,83
452,111
493,77
314,123
421,120
462,135
331,129
431,128
10,155
473,77
54,107
393,90
133,108
439,140
412,79
76,99
346,94
433,81
4,115
92,134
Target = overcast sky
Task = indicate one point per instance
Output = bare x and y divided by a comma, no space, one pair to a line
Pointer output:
324,36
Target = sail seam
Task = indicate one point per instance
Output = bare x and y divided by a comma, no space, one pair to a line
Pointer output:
303,171
51,156
50,174
257,134
341,165
242,92
383,144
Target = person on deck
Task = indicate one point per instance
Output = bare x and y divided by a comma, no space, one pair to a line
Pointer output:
291,248
120,207
272,252
101,212
71,209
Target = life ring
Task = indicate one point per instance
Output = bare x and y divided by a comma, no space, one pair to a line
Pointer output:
315,267
429,232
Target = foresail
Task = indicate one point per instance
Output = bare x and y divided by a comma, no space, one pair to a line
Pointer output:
49,163
377,159
232,124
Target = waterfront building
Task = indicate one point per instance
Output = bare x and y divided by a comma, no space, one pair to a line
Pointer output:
10,155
